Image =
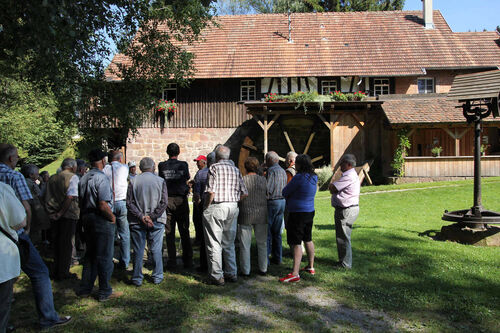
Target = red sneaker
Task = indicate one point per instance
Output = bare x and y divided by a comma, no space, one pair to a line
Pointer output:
290,278
309,270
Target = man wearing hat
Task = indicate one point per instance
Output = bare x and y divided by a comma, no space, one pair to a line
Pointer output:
132,169
96,200
199,183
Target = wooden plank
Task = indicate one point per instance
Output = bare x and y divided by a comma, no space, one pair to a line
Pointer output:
317,158
332,141
290,145
265,127
309,141
367,177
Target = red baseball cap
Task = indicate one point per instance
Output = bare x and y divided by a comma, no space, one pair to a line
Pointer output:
200,157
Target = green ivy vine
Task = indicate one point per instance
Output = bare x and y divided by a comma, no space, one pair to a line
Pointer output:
398,163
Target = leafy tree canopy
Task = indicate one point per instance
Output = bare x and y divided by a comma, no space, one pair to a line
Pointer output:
28,120
63,47
282,6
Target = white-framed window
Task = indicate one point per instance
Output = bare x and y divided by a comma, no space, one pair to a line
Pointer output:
381,87
247,90
328,87
170,92
425,85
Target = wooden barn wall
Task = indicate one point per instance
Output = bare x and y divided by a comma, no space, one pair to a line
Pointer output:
450,166
206,104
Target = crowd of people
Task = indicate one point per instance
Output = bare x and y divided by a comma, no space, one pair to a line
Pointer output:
93,208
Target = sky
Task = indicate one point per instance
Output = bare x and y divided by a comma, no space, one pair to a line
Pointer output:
464,15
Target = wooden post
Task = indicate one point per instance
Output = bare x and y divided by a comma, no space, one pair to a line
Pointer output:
265,135
332,128
457,143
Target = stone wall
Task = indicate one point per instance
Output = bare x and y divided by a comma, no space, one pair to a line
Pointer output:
151,142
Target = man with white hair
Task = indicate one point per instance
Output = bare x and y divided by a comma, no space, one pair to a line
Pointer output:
147,201
345,199
61,203
290,165
276,181
117,173
225,188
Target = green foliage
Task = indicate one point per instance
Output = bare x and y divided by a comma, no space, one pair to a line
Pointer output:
398,163
231,7
436,150
324,176
63,47
28,121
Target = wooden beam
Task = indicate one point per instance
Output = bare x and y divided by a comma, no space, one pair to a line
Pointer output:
265,135
317,158
368,179
463,133
410,133
311,137
285,133
276,116
327,124
259,122
332,140
307,83
457,144
270,88
352,84
361,124
450,133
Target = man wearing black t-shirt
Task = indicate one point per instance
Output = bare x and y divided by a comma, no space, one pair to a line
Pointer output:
176,175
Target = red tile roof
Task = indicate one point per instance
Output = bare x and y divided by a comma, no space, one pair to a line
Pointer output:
421,111
391,43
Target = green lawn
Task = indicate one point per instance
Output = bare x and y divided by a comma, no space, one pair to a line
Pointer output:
402,280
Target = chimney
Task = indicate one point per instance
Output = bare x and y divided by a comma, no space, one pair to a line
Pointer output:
428,17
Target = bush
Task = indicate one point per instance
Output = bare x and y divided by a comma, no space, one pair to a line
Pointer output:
324,176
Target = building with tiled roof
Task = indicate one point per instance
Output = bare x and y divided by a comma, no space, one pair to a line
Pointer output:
404,61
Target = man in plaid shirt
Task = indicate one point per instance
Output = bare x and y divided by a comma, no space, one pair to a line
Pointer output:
225,188
33,266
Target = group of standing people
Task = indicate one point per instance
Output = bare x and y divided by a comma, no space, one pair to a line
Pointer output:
111,200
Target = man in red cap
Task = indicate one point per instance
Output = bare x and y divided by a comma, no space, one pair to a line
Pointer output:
199,183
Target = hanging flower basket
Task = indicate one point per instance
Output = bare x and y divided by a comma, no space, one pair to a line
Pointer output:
164,109
164,105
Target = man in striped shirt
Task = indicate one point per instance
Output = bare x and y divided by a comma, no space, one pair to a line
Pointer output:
225,188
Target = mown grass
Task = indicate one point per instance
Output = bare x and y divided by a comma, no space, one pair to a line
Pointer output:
419,283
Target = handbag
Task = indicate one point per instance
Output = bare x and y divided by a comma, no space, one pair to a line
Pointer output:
22,245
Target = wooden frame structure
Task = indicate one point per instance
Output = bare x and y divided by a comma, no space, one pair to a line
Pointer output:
266,114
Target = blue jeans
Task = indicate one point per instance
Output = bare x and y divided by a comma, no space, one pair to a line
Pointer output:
139,232
275,211
98,259
120,211
38,273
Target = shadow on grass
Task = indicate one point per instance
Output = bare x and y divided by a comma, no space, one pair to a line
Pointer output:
399,274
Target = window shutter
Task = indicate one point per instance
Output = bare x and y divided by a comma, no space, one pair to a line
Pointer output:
372,90
392,85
